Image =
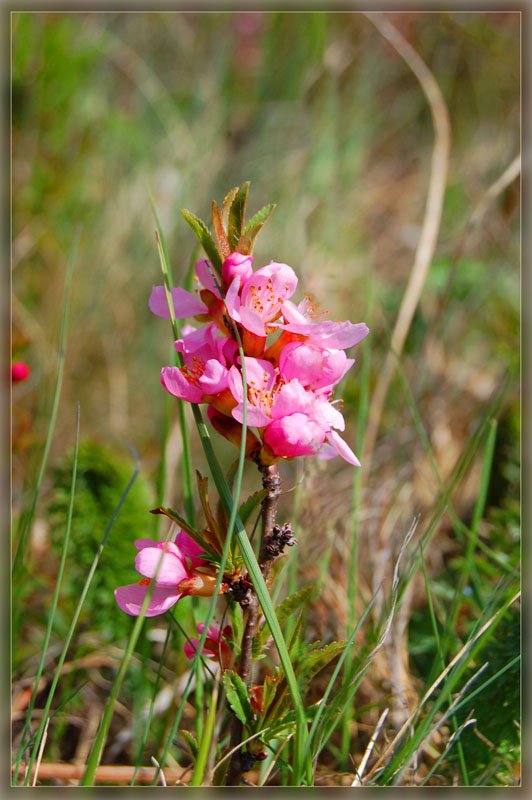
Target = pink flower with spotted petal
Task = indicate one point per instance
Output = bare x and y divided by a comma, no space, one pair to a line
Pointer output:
258,300
204,376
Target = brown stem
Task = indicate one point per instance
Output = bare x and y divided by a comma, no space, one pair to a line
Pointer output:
234,773
271,482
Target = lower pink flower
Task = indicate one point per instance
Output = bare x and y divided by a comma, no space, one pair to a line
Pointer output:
174,564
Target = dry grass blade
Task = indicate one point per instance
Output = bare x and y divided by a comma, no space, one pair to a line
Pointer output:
41,751
508,176
357,781
161,772
431,222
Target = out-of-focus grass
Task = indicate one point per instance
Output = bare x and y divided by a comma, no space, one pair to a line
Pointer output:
327,122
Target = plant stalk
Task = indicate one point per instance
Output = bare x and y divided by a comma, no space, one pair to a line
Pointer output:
272,482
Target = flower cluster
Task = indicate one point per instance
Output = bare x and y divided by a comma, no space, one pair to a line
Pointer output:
287,382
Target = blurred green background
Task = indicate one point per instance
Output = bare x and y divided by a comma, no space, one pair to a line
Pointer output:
314,108
325,120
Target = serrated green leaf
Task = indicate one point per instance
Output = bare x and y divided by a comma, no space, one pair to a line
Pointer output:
191,742
295,641
236,216
238,697
294,601
253,228
226,206
315,658
248,506
219,232
284,610
204,238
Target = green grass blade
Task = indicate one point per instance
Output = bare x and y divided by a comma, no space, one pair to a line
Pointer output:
352,575
51,616
188,478
27,518
77,612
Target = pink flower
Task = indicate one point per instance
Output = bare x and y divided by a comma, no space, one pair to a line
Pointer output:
315,367
237,265
296,421
174,563
215,645
19,371
204,376
258,300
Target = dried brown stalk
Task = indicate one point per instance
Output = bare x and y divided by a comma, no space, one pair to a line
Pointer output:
431,222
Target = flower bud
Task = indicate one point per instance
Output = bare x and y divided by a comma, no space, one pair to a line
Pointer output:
199,585
237,264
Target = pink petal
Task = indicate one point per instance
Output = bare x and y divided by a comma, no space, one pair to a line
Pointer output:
291,398
185,304
204,272
170,568
131,597
235,384
260,371
255,417
214,378
252,321
175,383
294,435
284,278
342,448
190,548
140,543
325,413
232,300
312,365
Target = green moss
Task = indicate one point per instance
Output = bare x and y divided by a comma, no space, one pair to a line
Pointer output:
101,479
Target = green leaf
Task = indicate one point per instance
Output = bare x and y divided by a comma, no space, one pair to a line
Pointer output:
235,617
226,206
253,228
315,658
191,742
181,521
212,525
295,642
204,238
295,601
219,232
236,216
285,610
238,698
248,506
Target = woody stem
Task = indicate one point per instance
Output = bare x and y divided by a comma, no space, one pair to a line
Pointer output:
272,482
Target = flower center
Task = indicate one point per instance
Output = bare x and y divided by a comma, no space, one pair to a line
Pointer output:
145,582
